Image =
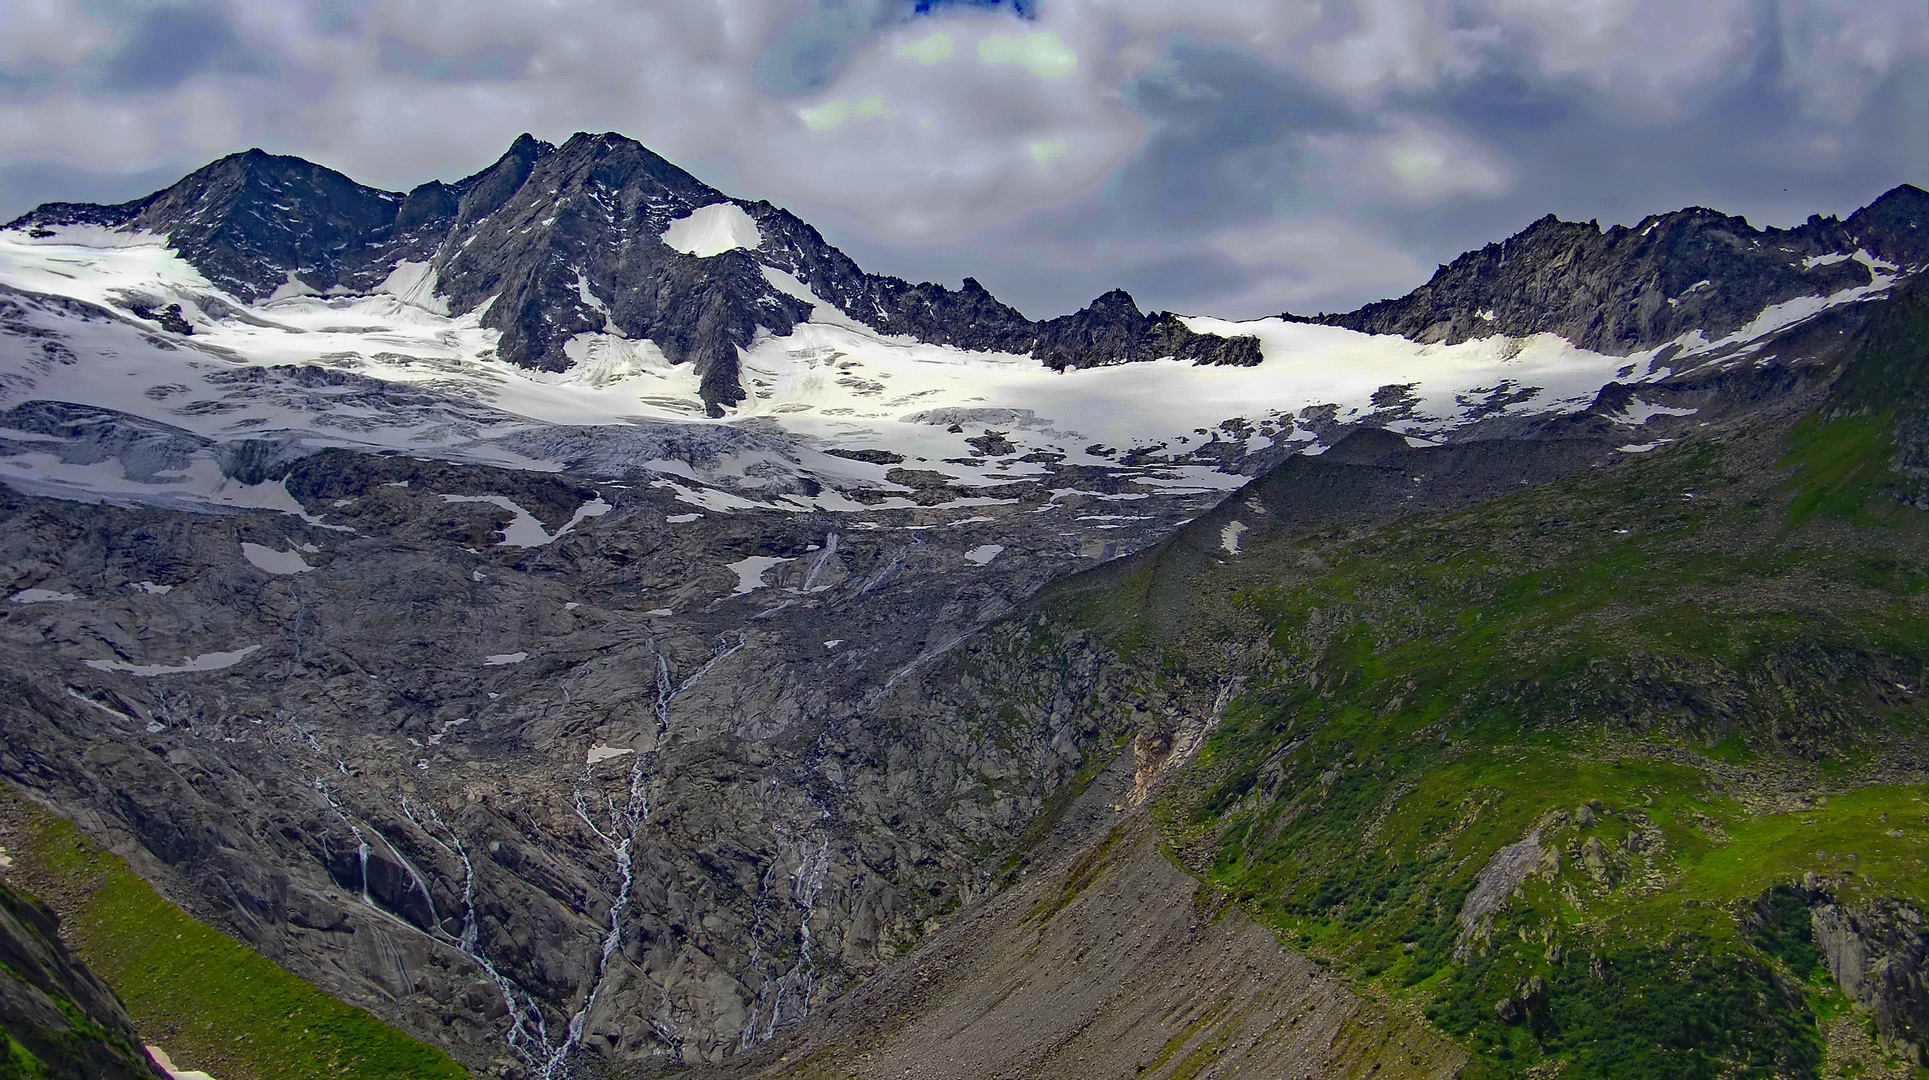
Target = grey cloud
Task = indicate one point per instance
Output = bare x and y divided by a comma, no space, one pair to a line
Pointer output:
342,17
163,46
1225,139
810,47
25,186
500,62
26,85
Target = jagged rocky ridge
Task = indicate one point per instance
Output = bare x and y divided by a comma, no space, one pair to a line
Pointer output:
559,241
1626,289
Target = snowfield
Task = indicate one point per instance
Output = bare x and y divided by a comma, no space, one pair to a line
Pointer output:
395,370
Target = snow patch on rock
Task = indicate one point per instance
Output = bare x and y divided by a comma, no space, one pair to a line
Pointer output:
750,572
1640,412
983,553
167,1066
42,596
713,230
524,530
214,661
275,562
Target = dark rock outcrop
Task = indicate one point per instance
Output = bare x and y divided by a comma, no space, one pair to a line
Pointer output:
54,1009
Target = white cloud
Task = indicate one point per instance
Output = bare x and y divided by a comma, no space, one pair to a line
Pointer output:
1649,57
1836,53
1397,43
48,35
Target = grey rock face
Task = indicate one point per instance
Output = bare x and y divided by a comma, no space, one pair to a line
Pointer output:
55,1008
1878,952
650,792
249,219
1104,959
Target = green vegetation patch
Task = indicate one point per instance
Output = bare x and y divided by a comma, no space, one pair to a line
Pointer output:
1842,468
1685,1012
212,1002
19,1063
1551,768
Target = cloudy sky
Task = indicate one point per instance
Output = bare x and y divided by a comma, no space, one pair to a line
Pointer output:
1232,157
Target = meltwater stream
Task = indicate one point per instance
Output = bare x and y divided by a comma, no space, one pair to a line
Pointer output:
622,825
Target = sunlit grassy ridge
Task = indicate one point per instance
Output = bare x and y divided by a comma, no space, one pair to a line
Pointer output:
213,1003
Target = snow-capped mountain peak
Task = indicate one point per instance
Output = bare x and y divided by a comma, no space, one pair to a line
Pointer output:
591,307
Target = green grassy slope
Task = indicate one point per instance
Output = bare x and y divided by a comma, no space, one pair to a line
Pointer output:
211,1002
1669,693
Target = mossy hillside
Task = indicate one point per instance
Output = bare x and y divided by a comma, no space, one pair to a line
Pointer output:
213,1003
1695,674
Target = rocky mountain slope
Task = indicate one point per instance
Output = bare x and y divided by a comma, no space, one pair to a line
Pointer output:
1621,775
489,665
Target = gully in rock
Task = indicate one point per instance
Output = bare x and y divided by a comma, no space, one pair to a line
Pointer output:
620,836
528,1034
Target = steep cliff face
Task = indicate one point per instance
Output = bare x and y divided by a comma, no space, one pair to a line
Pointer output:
58,1021
648,787
1878,951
